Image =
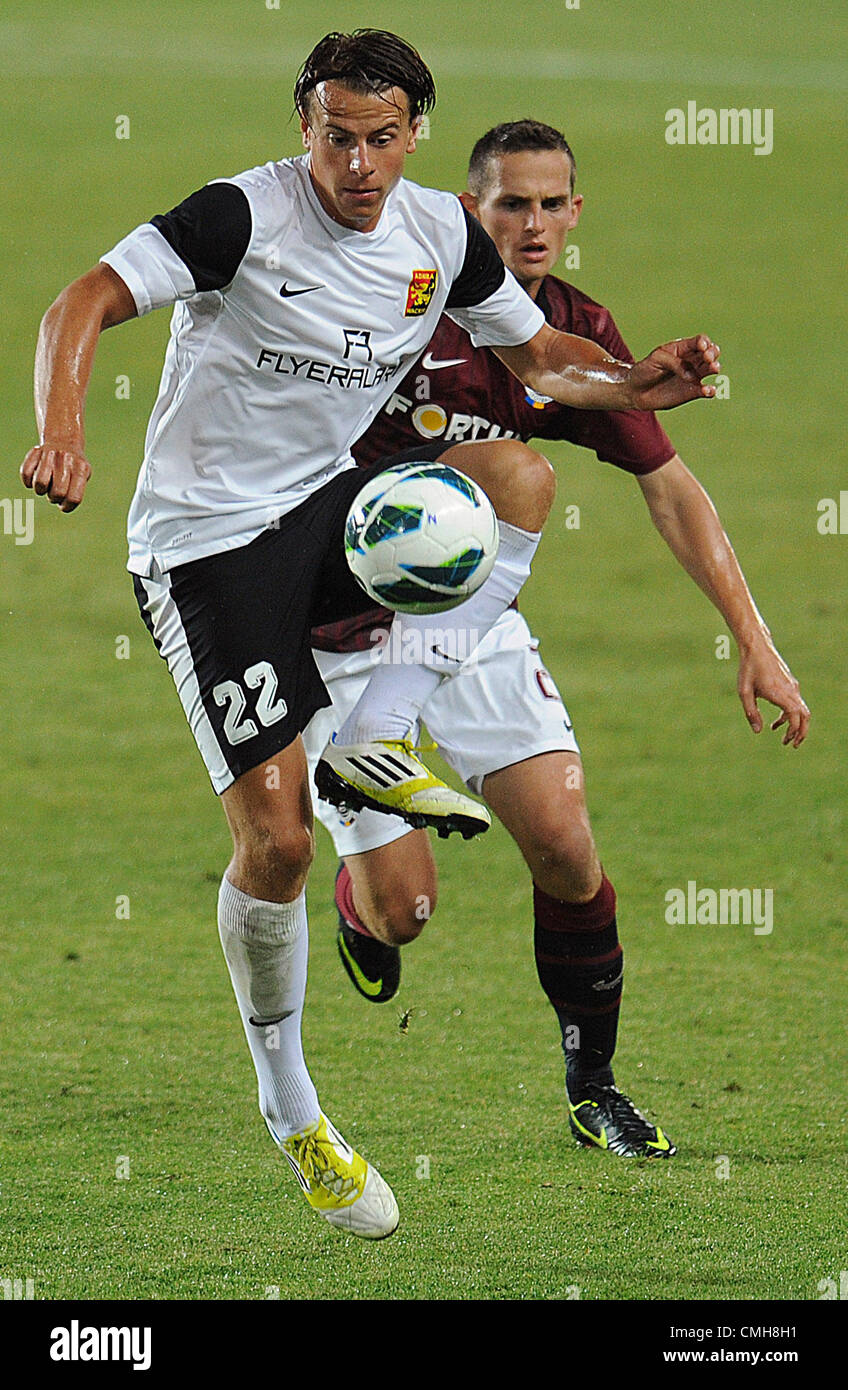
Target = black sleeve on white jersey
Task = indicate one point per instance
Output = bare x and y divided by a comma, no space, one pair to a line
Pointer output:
482,270
210,232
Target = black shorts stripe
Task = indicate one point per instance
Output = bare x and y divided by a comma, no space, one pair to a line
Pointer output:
142,598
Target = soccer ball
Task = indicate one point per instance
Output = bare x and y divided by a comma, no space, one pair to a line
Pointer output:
421,537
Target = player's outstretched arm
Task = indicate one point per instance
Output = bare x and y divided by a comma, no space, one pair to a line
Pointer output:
578,372
688,522
67,340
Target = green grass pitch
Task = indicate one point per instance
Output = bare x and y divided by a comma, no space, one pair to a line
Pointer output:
133,1161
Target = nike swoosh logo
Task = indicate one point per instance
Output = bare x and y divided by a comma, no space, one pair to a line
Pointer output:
609,984
364,984
661,1142
286,293
437,651
429,363
601,1140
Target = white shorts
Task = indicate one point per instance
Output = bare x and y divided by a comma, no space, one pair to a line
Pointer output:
500,707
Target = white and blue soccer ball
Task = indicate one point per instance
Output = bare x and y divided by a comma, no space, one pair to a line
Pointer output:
421,537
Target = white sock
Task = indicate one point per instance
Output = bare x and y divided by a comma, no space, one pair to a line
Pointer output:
266,947
412,667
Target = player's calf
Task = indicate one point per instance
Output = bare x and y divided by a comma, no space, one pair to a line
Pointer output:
383,898
541,802
372,967
394,888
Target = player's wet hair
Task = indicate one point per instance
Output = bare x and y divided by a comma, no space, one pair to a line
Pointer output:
514,137
368,60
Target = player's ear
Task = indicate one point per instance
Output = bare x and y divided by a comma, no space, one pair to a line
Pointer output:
414,134
469,202
576,209
305,132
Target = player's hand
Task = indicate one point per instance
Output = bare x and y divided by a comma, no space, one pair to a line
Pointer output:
59,474
764,675
673,374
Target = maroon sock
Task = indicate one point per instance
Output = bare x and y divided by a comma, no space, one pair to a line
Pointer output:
580,965
344,901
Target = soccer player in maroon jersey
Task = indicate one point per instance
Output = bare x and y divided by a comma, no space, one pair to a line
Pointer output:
499,719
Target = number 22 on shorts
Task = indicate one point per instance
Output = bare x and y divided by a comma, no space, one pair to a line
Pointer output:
262,677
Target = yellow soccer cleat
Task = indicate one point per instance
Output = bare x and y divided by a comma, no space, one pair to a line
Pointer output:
339,1183
387,776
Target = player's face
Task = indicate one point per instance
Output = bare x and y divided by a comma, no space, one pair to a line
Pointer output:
528,210
357,145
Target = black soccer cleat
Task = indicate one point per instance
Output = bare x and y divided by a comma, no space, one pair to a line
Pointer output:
372,967
605,1118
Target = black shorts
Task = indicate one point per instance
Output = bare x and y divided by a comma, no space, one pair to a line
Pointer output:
234,628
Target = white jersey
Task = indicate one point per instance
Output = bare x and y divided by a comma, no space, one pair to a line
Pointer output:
288,334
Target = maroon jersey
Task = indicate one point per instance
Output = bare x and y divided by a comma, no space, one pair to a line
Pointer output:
458,392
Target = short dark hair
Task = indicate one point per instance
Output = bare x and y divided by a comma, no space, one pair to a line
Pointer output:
368,60
514,137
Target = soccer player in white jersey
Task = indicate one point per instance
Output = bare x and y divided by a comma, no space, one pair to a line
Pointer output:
300,290
524,758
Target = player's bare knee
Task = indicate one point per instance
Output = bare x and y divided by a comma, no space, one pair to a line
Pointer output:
526,485
278,857
398,929
565,863
403,913
537,472
568,884
519,481
409,918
